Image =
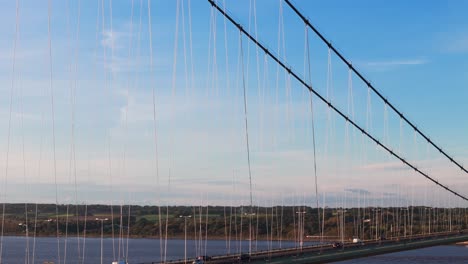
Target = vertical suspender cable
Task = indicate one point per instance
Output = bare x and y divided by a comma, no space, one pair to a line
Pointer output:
98,12
155,134
313,136
73,84
259,85
108,136
276,119
13,86
73,130
53,127
184,45
226,53
238,239
26,224
228,88
124,163
106,86
208,83
39,176
190,45
70,58
137,75
246,135
5,181
173,93
214,65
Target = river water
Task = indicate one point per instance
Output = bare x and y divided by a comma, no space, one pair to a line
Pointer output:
139,250
147,250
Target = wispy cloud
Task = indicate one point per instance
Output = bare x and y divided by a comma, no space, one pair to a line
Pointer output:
458,44
357,190
394,63
386,166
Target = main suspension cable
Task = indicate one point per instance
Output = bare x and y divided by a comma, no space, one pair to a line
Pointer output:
330,105
349,64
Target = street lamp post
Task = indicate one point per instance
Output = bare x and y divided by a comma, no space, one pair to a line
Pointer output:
430,212
250,215
341,223
102,234
405,210
377,231
369,225
26,231
301,227
185,231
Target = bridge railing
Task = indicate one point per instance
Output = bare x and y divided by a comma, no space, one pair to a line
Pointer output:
325,247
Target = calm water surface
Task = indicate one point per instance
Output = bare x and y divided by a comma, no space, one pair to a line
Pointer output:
139,250
147,250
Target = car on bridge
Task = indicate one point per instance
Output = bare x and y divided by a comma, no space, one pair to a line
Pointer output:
358,241
205,258
337,245
243,257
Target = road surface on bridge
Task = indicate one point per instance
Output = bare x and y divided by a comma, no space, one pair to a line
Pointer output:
326,253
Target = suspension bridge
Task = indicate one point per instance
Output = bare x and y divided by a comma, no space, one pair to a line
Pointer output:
207,132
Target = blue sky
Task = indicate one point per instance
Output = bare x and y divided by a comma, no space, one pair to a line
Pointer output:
413,52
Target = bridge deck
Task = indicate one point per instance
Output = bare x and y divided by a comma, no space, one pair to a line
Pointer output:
326,253
370,249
